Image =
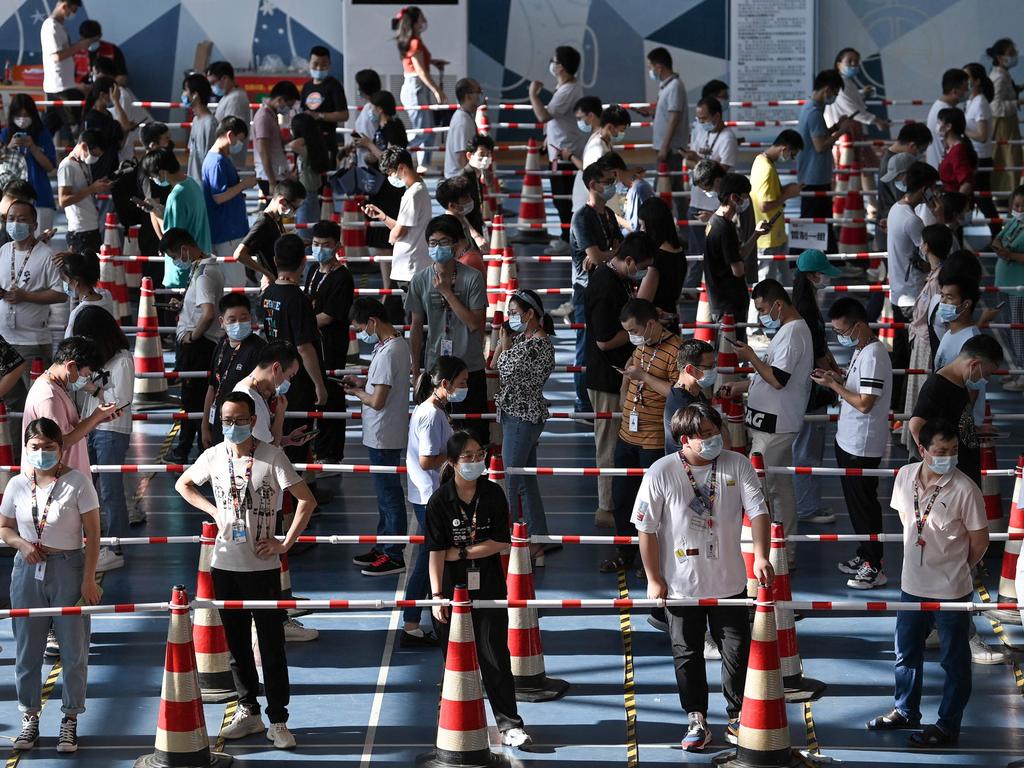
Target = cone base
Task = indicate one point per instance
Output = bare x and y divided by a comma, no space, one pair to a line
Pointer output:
215,694
443,759
799,689
1005,617
783,758
217,760
534,689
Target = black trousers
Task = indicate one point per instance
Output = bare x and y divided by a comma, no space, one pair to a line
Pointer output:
475,402
192,356
490,630
819,208
255,585
330,443
56,118
84,241
730,628
900,356
625,489
983,183
562,185
861,494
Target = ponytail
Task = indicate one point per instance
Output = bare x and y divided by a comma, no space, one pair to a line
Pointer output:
446,368
547,324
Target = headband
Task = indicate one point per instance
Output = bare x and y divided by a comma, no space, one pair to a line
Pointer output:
525,298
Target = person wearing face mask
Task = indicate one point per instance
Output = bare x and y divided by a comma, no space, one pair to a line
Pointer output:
480,172
323,97
778,390
232,100
561,132
268,146
418,85
689,513
268,385
892,169
407,229
58,62
813,272
224,193
47,509
768,196
455,196
384,396
696,363
367,85
77,185
105,96
462,127
671,130
525,358
25,132
945,534
954,89
256,251
613,122
958,299
236,354
1005,103
195,95
247,475
863,432
467,531
1009,247
80,272
99,48
978,128
959,164
450,299
50,397
646,380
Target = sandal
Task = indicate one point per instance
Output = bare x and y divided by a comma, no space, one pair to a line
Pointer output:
932,736
892,721
613,564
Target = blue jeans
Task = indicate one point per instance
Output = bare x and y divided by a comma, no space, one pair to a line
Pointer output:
912,627
418,585
109,447
579,315
414,93
809,451
309,211
519,449
390,500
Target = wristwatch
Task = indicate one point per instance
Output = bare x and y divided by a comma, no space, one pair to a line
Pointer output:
462,553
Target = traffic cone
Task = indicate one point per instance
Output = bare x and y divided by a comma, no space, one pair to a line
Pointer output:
839,199
483,124
704,332
149,355
462,726
182,740
107,280
524,644
213,660
797,688
1011,553
495,262
509,281
112,232
731,408
990,485
747,548
132,269
496,469
886,332
6,449
353,229
853,235
36,369
764,729
663,187
531,202
112,242
326,203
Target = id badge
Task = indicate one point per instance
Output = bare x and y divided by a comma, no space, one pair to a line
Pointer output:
634,421
211,416
238,534
473,579
712,548
447,347
41,571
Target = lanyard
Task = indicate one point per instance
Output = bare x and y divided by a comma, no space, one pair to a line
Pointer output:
467,521
21,270
233,491
708,501
709,148
40,524
919,519
220,371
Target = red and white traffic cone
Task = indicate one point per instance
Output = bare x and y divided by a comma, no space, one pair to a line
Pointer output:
853,232
839,199
764,730
1011,552
663,187
747,549
704,331
112,242
483,124
524,643
495,316
353,229
797,688
990,485
326,203
182,740
6,448
496,469
531,202
36,369
132,269
213,659
886,332
732,407
149,355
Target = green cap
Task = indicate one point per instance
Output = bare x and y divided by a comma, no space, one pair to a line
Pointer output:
813,260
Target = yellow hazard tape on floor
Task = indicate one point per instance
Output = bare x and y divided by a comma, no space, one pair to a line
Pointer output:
51,680
628,683
164,448
1000,632
229,713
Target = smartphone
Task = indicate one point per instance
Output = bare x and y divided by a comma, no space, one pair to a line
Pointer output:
143,204
121,407
20,135
356,135
311,434
776,216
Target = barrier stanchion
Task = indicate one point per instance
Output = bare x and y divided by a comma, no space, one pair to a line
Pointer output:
212,654
1011,553
997,523
524,641
181,737
149,355
663,187
353,229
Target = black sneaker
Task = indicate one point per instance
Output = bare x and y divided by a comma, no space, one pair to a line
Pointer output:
384,566
868,577
29,732
369,558
426,640
52,646
851,566
67,740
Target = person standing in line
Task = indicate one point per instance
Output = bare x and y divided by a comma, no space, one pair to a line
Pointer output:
256,251
233,101
911,141
978,128
384,396
76,190
671,131
689,513
195,95
247,476
267,144
1009,247
711,140
26,133
1005,104
418,85
769,197
955,84
323,97
52,568
462,128
945,534
664,279
561,134
611,124
58,58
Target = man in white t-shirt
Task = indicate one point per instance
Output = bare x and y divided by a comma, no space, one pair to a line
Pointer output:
269,381
247,476
408,229
689,515
779,389
955,84
462,127
76,190
671,130
945,534
58,54
863,432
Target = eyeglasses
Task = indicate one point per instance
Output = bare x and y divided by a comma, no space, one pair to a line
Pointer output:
236,422
439,243
478,456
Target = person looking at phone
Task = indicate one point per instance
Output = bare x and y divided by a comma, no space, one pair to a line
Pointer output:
256,251
778,390
26,133
76,190
224,192
768,198
80,273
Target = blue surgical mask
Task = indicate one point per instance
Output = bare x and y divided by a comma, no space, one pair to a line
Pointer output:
458,395
830,100
74,386
515,322
639,275
18,230
900,185
237,433
744,205
976,384
552,69
850,71
182,265
94,46
185,100
583,126
324,255
367,338
283,387
160,182
441,254
1011,62
236,147
607,192
942,465
770,324
947,313
318,74
68,289
710,447
218,91
652,74
846,341
42,459
238,331
471,470
396,182
708,379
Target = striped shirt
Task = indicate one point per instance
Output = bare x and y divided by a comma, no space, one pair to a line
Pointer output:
658,360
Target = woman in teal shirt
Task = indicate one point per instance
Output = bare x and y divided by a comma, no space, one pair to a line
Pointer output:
1009,247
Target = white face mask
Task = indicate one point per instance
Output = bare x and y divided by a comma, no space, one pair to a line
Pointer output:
23,121
553,69
480,162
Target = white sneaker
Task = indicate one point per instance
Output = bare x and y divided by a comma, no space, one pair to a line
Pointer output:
824,516
295,632
108,560
983,653
932,641
868,577
558,247
1014,384
565,309
710,649
243,724
281,736
515,737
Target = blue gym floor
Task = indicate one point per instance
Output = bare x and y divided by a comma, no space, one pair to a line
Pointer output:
359,699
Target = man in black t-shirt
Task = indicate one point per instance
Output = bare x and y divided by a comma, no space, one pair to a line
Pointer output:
256,251
723,258
324,97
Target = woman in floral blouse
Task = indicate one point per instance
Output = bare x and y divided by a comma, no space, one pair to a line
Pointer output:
524,359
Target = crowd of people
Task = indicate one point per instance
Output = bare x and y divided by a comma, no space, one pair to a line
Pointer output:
629,273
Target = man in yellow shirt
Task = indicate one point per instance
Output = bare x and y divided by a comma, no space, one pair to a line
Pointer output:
769,197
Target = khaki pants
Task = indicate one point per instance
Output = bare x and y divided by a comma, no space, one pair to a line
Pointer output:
606,432
777,450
